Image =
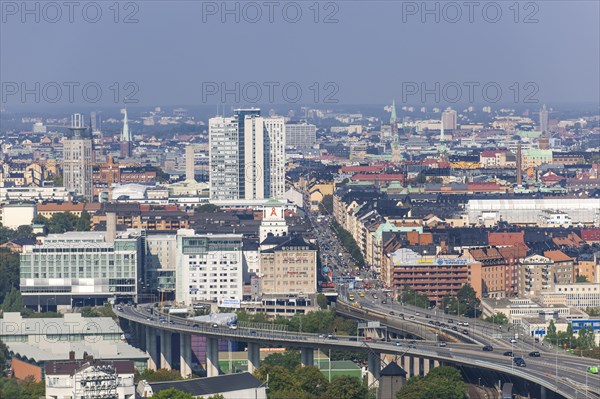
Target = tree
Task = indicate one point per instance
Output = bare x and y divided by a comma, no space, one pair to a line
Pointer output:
280,379
322,301
346,387
581,279
349,243
327,203
209,208
83,222
9,270
465,303
441,382
172,393
159,375
13,302
311,380
290,360
412,297
498,318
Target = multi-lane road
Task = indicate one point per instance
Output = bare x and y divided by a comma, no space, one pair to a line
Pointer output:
554,366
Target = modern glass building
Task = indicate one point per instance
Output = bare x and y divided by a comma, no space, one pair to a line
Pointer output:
80,269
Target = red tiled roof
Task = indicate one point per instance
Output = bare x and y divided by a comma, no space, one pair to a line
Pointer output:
590,235
506,239
362,169
557,256
378,177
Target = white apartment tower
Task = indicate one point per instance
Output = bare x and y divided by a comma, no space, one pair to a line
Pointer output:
449,119
78,159
247,156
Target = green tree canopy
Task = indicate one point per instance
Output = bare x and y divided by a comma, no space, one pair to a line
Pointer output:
172,393
441,382
346,387
311,380
289,360
498,318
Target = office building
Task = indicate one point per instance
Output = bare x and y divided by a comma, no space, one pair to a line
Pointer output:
449,119
78,159
247,156
289,268
190,163
81,269
209,267
300,135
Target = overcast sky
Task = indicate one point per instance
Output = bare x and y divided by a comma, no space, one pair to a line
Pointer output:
179,52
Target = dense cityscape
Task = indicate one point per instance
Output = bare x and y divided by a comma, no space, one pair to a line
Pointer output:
299,199
410,231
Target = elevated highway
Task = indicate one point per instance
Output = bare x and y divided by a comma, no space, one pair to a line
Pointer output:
566,377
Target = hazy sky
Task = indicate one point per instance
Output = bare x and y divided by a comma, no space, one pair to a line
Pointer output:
179,52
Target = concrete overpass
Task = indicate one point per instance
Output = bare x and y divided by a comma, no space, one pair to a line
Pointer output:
566,378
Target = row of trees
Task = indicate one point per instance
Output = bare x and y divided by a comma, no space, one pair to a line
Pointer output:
465,303
412,297
583,341
441,382
65,221
322,321
348,242
287,379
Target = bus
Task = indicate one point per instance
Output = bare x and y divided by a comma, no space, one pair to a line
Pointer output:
351,297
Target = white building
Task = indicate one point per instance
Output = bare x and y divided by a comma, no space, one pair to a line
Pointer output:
78,160
80,268
247,156
209,267
449,119
273,221
90,379
34,193
15,215
300,135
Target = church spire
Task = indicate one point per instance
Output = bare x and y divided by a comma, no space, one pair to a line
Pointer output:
125,135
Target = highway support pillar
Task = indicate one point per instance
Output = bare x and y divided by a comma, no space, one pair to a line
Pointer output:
542,392
307,357
185,355
426,366
436,363
408,366
151,349
140,335
165,349
253,356
373,369
212,357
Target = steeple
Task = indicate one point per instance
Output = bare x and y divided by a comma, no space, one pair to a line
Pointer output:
393,117
125,135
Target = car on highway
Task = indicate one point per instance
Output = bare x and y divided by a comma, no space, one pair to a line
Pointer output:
252,332
450,321
519,361
442,344
417,314
233,326
534,354
513,341
508,353
331,336
454,328
196,325
397,343
392,313
466,332
384,302
215,325
488,348
593,369
430,322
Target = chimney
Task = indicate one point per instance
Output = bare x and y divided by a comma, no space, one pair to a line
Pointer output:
72,355
111,226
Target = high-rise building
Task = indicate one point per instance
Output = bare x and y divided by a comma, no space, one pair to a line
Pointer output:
209,267
544,119
190,163
125,144
78,159
300,135
449,119
253,146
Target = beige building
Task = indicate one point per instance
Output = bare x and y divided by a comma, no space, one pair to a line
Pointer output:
539,274
289,268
